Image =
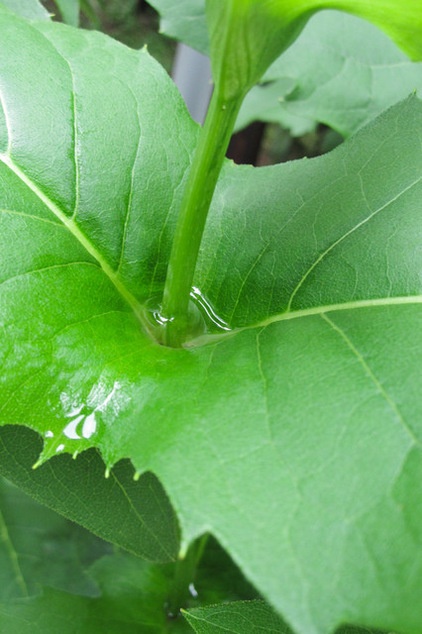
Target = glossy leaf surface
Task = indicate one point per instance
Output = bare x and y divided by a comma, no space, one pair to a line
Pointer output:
301,426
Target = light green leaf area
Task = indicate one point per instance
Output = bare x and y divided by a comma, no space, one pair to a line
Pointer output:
294,438
254,617
342,71
69,10
184,21
29,9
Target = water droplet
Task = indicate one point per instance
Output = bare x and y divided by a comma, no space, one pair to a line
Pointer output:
202,317
49,434
90,426
71,428
85,416
193,591
207,308
60,448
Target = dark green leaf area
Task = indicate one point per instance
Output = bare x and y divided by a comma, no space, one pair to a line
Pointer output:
135,515
57,577
131,599
38,548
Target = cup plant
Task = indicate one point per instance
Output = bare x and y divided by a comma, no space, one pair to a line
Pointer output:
194,348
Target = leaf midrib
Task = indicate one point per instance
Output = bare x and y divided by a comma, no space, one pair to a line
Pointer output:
309,312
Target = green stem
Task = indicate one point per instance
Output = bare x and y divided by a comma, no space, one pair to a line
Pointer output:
184,576
200,186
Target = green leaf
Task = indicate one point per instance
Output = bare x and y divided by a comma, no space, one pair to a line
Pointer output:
139,517
29,9
247,36
37,547
268,102
246,616
69,10
294,438
342,72
185,21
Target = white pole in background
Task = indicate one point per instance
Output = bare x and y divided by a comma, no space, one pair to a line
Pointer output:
192,75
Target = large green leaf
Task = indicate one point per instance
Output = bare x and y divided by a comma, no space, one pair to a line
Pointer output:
29,9
341,71
294,438
185,21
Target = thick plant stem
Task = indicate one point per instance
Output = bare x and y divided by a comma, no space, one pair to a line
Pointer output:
200,186
184,576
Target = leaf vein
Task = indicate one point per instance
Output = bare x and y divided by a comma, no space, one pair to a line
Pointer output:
345,236
369,372
73,227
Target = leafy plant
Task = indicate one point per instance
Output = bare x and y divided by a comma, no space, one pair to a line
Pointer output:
282,414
